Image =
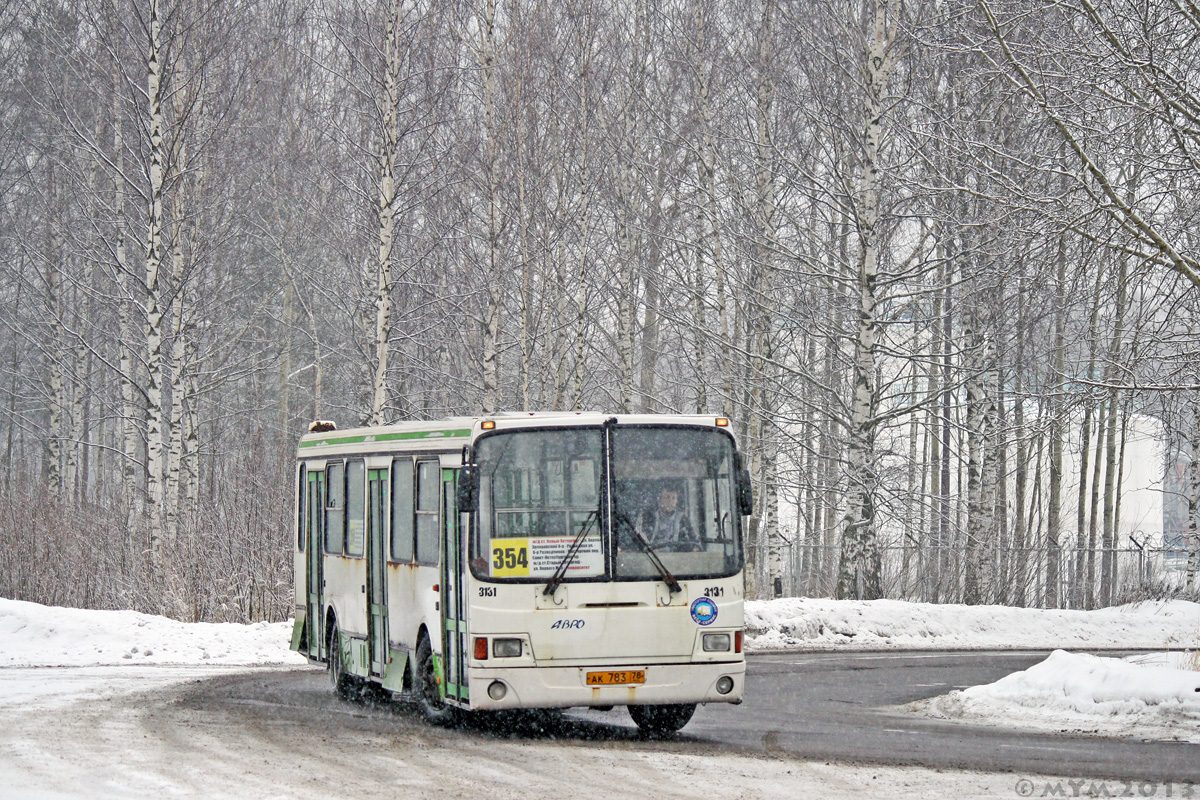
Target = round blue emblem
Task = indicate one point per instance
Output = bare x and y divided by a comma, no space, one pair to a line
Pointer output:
704,611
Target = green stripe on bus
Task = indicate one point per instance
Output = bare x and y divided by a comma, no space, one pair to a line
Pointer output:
457,433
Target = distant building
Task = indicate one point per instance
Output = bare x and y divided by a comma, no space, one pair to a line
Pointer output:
1175,505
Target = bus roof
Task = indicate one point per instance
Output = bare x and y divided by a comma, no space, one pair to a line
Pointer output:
452,433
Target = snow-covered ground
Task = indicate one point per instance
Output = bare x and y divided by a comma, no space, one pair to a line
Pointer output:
1143,697
33,635
97,704
818,624
1155,696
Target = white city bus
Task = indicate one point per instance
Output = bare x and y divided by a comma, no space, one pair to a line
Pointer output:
526,561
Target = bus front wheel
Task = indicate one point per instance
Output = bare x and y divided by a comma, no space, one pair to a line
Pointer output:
428,694
664,719
345,685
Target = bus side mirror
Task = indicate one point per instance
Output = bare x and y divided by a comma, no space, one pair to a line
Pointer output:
465,490
745,493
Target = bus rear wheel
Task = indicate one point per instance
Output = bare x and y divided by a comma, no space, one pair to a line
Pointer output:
428,694
660,720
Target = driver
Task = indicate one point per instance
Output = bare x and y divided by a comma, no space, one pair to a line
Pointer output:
667,526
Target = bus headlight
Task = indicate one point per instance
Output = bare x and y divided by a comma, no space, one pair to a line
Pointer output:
724,684
506,648
716,643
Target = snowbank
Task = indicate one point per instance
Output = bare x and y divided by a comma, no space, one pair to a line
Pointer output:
37,635
1081,693
804,624
33,635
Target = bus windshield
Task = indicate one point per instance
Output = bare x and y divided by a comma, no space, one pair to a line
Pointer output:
671,495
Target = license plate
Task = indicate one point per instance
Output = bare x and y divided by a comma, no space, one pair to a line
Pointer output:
616,677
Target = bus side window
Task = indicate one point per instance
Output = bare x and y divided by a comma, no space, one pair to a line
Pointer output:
356,507
428,496
402,510
335,509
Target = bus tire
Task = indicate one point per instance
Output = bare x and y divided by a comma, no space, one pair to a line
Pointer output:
663,719
345,685
427,694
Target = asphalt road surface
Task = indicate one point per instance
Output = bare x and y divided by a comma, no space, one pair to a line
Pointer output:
817,706
842,706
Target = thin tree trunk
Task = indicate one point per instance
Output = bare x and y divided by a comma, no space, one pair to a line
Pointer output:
650,315
1058,409
1193,497
976,453
912,501
1093,530
1117,508
947,579
1112,468
179,306
1083,569
933,589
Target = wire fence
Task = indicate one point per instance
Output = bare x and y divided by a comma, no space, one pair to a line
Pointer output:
1008,576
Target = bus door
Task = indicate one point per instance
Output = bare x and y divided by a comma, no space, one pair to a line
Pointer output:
314,542
454,641
377,626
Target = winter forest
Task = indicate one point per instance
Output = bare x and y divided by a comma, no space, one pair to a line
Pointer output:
936,260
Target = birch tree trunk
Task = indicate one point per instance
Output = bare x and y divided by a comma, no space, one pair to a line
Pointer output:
56,353
180,283
386,210
859,573
522,133
584,221
153,314
629,209
762,528
976,453
707,241
493,282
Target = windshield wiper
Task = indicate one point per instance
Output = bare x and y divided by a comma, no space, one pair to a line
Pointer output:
663,572
561,571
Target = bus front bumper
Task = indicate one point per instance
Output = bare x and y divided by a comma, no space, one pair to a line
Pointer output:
565,687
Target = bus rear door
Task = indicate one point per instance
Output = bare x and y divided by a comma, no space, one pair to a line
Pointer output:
377,626
314,540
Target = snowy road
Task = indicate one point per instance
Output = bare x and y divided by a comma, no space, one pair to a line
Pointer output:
279,732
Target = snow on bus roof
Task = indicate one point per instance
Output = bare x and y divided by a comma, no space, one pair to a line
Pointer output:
463,427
